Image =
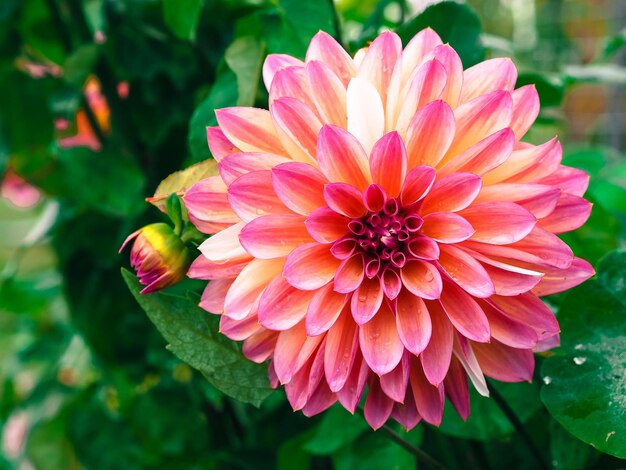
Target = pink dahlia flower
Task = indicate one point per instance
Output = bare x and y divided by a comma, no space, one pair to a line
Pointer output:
382,226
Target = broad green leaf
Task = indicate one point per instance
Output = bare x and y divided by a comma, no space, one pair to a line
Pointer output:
245,58
375,451
307,18
182,17
337,429
567,452
585,383
180,181
457,24
486,420
80,64
193,336
223,94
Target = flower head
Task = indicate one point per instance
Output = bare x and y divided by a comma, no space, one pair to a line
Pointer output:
384,226
159,256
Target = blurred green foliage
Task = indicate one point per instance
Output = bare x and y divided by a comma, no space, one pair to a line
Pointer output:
86,380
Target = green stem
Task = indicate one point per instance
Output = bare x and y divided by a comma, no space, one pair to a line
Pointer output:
419,454
518,425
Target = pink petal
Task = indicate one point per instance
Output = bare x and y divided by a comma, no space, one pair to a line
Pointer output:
505,363
436,356
525,109
508,279
465,271
427,86
350,274
275,62
233,166
422,279
428,398
323,310
253,279
547,248
239,330
328,93
447,227
424,248
325,49
208,206
484,156
250,129
341,157
524,160
452,193
417,184
297,389
499,223
321,399
464,353
282,306
454,70
351,393
559,280
273,236
395,383
456,389
366,300
293,350
571,212
539,199
341,347
224,246
406,413
260,346
291,82
568,180
214,295
388,163
310,266
480,118
252,195
465,314
344,199
377,405
326,226
297,128
202,268
379,61
391,283
417,49
380,343
509,331
487,76
430,134
299,186
529,309
366,115
413,322
219,145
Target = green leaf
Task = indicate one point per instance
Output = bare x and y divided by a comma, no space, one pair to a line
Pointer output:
307,18
193,336
457,24
567,452
585,385
486,420
80,64
337,429
375,451
222,94
245,58
182,17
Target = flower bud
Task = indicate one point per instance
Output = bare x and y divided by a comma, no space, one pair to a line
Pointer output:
159,256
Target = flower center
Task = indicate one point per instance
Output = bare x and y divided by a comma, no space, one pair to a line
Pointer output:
382,236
